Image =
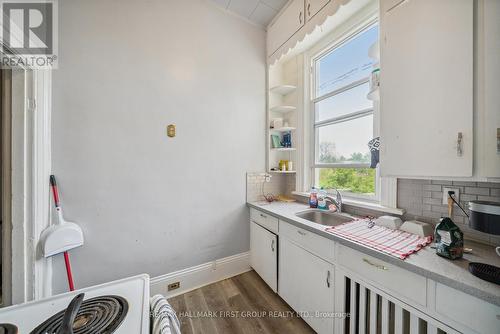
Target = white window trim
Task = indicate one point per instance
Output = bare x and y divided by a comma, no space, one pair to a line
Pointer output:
386,194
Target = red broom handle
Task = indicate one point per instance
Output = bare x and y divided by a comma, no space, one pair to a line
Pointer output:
53,185
68,272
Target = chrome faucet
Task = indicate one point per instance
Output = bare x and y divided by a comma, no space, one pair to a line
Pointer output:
337,201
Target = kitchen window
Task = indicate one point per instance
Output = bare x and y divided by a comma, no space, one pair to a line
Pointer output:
343,117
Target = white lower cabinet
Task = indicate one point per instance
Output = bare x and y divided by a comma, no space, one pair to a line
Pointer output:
263,254
320,279
306,284
469,311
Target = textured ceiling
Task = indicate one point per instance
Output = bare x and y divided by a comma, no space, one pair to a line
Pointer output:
260,12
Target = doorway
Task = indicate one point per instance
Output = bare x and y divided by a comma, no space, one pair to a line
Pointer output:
5,219
25,147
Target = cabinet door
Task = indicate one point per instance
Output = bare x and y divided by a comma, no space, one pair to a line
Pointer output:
263,254
287,24
426,116
314,6
306,284
491,121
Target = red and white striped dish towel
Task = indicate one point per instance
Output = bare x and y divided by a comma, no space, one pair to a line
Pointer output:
397,243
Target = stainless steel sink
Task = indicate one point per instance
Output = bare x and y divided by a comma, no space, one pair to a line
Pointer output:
322,217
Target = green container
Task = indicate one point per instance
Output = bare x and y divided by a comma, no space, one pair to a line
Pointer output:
449,239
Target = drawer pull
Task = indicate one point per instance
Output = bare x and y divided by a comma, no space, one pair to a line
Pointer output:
328,278
460,139
309,9
272,245
263,215
300,232
378,266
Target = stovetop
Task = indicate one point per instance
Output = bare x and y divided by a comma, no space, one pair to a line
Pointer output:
116,307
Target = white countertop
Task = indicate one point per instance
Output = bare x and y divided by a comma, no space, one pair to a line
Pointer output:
453,273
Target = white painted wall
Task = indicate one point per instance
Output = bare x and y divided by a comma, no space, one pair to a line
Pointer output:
148,203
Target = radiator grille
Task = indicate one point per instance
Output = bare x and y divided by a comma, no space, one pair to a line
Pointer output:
373,313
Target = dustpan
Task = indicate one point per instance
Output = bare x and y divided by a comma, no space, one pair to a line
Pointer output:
63,235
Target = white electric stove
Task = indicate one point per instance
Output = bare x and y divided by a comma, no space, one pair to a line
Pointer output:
117,307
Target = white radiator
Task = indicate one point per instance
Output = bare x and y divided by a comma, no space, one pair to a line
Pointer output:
375,312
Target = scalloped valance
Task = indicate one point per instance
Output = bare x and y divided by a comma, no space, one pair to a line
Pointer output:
309,28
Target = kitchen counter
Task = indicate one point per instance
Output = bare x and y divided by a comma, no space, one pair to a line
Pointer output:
425,262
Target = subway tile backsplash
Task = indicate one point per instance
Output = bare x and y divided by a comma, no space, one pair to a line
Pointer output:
422,200
282,184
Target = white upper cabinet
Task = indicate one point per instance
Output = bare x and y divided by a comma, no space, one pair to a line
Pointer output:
314,6
287,24
488,96
426,88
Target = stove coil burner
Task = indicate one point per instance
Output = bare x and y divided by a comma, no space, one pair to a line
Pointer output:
8,329
101,315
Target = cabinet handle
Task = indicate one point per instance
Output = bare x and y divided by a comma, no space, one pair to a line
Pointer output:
460,138
309,9
300,232
263,215
300,17
272,245
378,266
328,278
498,140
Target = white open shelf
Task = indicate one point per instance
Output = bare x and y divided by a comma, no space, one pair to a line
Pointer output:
283,129
283,89
283,149
282,171
283,109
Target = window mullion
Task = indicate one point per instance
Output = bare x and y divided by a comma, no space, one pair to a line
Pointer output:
342,89
342,165
345,118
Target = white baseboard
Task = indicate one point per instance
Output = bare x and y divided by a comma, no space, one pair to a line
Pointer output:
201,275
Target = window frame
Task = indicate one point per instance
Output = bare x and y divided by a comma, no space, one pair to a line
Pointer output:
314,126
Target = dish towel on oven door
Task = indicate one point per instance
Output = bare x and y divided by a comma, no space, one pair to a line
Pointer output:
163,317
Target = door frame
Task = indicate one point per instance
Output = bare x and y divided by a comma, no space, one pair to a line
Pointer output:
26,193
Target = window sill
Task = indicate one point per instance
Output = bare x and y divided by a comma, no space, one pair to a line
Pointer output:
361,204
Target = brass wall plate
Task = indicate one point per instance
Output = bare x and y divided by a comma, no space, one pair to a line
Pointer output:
171,130
174,286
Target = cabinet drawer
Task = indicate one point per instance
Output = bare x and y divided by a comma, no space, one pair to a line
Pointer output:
265,220
467,310
390,277
322,247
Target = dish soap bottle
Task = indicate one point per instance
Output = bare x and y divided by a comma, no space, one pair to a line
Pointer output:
313,198
322,199
449,239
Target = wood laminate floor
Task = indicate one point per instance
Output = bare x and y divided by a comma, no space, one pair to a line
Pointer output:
240,304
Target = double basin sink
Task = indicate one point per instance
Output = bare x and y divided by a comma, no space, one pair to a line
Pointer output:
322,217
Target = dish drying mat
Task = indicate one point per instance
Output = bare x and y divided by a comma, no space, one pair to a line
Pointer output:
397,243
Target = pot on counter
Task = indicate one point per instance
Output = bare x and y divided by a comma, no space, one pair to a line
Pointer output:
485,217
